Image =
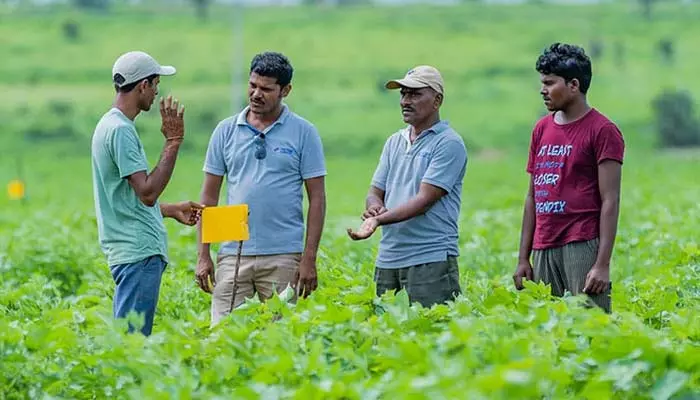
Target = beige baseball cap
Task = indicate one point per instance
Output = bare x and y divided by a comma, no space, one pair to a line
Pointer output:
136,65
419,77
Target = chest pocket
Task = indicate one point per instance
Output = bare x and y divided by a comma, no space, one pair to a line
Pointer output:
421,161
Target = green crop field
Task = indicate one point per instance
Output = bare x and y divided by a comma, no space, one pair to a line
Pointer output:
57,335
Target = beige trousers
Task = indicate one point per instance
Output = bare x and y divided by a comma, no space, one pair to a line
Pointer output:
256,274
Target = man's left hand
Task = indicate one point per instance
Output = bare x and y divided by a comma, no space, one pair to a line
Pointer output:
368,227
186,212
305,279
597,280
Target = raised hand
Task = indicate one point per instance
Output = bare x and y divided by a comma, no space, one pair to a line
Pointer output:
172,119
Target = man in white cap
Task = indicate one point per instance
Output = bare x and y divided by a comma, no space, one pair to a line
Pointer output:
129,215
415,196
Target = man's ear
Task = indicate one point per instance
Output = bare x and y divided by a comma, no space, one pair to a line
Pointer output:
438,101
574,84
286,90
143,84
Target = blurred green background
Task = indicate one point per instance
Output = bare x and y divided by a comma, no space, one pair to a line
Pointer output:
57,59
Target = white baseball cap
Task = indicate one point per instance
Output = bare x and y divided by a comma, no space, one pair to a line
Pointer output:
419,77
136,65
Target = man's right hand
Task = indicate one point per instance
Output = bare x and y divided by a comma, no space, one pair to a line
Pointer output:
172,119
373,211
205,272
524,270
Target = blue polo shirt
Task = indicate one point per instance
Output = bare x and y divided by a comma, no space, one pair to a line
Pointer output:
272,187
438,157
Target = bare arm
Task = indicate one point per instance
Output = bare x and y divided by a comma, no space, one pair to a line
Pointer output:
306,278
419,204
374,203
315,189
609,177
149,187
375,197
166,210
209,197
609,180
524,268
528,225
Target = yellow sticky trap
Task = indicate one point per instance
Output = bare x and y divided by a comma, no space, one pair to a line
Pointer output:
225,223
15,190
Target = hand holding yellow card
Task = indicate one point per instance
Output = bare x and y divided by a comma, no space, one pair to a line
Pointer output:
225,223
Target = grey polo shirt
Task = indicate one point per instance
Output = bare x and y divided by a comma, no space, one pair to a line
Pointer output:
272,187
438,157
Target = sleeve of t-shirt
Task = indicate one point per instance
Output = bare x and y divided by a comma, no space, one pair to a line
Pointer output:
447,165
127,152
313,162
381,172
609,144
214,162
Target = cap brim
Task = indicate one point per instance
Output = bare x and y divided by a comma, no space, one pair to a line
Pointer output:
409,83
167,70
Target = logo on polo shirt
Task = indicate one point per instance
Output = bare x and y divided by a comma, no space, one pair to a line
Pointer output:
284,150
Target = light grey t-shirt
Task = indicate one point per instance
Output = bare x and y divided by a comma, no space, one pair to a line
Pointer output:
129,231
438,157
271,187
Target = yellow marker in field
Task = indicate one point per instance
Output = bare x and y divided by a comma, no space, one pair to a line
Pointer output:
225,223
15,190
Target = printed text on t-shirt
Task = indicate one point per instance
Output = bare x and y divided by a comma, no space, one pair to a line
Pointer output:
550,178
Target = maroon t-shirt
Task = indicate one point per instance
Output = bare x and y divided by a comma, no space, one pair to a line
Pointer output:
563,164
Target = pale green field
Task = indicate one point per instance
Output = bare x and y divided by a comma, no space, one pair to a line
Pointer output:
486,53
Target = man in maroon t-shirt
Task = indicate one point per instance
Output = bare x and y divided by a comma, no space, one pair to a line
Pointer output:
572,205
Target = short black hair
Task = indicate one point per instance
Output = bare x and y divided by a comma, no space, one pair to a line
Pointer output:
568,61
128,88
273,65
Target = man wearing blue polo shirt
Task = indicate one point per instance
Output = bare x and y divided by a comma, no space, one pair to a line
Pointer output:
266,153
415,196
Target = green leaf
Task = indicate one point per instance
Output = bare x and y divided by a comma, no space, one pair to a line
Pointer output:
669,384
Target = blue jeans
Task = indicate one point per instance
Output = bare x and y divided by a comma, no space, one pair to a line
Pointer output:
137,289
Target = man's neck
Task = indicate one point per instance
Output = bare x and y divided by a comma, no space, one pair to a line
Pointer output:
128,108
574,112
421,127
262,121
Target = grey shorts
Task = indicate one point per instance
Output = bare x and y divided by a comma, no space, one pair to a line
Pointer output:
566,267
427,284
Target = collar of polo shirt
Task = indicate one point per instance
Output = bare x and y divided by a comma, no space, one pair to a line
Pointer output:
241,120
436,128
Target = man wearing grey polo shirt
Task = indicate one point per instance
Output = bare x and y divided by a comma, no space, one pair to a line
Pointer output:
415,196
266,153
